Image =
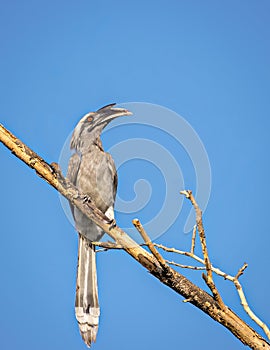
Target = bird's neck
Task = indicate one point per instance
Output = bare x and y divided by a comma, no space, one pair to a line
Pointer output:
98,143
89,146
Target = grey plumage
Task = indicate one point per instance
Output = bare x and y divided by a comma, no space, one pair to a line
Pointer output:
93,172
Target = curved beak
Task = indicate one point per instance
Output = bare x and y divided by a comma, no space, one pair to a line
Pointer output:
107,113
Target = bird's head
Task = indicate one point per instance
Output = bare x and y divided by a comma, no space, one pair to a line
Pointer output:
89,128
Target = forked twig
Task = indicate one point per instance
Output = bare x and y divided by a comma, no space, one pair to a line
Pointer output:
226,276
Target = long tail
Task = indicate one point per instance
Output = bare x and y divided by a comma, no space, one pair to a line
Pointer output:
86,305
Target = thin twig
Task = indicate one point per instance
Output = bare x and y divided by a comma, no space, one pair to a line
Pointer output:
148,242
241,271
208,277
244,302
186,300
185,266
107,245
193,239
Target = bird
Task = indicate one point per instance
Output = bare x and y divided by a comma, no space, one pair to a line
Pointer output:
93,172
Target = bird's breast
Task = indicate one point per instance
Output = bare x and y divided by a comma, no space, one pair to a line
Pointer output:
96,178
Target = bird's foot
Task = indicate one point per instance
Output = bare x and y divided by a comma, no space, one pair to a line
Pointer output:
112,224
87,199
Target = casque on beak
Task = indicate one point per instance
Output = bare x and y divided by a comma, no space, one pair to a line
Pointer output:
107,113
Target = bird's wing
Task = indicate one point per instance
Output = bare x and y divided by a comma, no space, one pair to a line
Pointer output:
73,168
114,175
72,172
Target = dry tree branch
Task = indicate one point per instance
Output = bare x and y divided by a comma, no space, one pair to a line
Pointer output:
106,246
193,239
209,278
244,302
193,256
149,243
168,276
234,279
191,267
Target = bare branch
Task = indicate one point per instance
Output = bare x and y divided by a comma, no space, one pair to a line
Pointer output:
245,303
185,266
193,239
226,276
241,271
107,245
148,242
208,278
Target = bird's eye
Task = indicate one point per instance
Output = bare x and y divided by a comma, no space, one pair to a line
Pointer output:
89,119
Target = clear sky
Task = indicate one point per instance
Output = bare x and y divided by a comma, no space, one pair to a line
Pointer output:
206,60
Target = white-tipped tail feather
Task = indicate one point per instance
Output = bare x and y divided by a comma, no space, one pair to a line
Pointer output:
88,323
86,307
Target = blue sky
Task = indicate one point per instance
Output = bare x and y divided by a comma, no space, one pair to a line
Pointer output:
207,61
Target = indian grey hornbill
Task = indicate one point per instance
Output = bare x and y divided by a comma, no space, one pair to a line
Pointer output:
93,172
